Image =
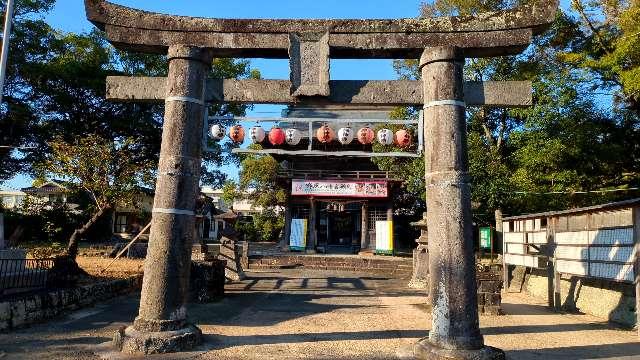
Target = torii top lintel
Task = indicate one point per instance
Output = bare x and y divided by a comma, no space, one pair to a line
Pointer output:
487,34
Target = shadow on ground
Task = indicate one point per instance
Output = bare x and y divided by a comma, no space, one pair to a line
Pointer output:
607,351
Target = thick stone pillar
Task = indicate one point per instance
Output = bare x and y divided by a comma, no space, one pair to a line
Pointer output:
455,332
313,233
161,325
364,226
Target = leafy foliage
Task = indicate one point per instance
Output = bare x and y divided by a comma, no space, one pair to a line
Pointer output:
109,171
56,89
572,139
259,183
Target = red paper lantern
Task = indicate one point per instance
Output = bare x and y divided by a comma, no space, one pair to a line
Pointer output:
366,135
403,138
236,134
325,134
276,136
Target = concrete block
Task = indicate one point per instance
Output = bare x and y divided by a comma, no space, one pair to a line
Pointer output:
18,313
481,299
492,310
493,299
490,286
35,316
5,311
32,304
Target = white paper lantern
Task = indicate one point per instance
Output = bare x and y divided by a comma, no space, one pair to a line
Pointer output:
257,134
217,132
385,137
292,137
345,135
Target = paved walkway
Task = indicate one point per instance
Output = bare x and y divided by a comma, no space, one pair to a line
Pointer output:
294,314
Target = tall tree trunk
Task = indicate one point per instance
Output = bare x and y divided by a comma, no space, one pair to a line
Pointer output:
72,247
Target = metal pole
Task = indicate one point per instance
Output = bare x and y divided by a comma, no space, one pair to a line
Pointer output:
6,37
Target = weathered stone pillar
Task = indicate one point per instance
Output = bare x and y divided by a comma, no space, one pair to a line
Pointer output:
364,226
161,325
455,332
313,234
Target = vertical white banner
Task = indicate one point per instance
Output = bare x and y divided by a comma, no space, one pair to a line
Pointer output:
298,237
384,237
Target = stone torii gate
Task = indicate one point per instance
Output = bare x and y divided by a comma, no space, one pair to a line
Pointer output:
442,44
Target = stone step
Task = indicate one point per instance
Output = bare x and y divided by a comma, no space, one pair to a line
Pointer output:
380,265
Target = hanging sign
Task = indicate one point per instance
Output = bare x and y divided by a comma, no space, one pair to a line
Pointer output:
384,237
485,238
361,189
298,237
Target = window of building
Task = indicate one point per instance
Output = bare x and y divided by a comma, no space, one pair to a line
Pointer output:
121,224
300,212
376,213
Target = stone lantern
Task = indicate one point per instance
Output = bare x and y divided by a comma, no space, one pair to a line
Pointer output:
420,277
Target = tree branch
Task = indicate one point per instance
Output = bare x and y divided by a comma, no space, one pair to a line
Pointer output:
577,4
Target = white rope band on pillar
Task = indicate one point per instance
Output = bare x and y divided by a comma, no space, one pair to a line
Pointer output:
173,211
445,102
185,99
448,184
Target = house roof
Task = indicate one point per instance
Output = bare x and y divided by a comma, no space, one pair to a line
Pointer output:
48,187
607,206
229,215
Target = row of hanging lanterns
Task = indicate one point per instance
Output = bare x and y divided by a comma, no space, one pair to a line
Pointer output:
325,134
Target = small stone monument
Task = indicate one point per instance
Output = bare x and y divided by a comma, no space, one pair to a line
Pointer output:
420,277
230,252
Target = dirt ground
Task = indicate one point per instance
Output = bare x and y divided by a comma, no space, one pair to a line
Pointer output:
121,268
298,314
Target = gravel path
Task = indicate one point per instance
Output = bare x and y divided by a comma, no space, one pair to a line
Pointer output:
296,314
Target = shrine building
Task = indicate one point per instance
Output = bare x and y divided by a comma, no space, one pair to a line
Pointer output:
336,204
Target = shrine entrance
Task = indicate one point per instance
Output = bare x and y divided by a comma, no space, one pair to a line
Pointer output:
441,44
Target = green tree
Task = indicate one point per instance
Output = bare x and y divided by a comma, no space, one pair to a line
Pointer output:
56,89
16,114
608,46
258,182
105,170
570,140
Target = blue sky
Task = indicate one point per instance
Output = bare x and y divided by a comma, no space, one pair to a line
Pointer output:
69,16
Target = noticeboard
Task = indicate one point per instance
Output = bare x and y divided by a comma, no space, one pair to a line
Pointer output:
485,238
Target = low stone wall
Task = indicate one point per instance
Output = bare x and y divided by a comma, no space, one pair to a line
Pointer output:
382,266
605,299
45,305
489,293
207,280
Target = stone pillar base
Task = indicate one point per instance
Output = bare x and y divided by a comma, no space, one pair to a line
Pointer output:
424,350
132,341
417,283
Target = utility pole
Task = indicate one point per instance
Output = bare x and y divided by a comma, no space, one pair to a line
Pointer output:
6,37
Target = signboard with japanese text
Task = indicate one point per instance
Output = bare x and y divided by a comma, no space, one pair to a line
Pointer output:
332,188
485,238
